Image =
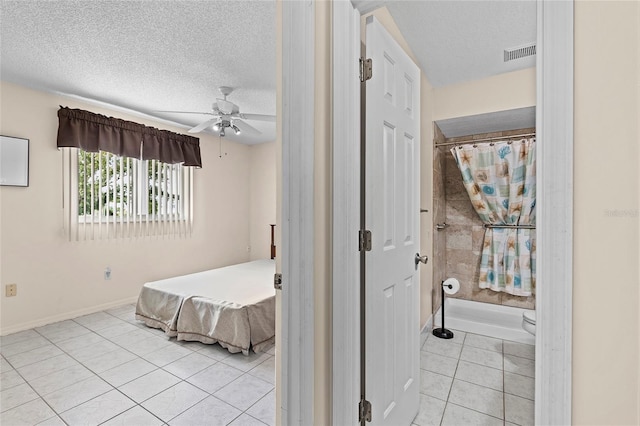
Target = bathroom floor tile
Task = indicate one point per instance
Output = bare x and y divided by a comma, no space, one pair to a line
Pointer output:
518,385
435,385
483,342
518,410
523,366
442,347
478,398
430,412
480,375
520,349
482,356
438,363
455,415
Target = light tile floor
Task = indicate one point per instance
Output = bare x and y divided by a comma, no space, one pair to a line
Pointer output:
107,368
475,380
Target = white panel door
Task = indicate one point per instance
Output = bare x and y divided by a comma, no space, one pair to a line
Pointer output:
392,188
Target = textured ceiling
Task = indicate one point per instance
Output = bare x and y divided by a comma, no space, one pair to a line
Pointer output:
456,40
149,56
146,55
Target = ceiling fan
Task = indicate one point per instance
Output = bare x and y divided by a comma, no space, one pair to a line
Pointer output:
227,115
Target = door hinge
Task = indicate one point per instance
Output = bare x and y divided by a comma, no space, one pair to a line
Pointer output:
365,410
277,281
365,240
366,69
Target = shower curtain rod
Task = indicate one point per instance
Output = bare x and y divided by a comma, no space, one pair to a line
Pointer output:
503,138
510,226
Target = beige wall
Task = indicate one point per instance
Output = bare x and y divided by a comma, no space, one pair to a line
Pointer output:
322,216
606,329
262,198
58,279
501,92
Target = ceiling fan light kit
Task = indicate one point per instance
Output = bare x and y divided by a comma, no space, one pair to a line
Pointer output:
226,114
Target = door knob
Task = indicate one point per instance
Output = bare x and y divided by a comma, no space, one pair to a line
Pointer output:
423,259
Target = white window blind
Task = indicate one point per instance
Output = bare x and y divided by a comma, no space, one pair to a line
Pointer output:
110,197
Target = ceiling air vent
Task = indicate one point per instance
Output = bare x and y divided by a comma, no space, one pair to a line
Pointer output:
519,52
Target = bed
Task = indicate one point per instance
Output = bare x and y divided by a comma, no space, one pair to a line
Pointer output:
233,306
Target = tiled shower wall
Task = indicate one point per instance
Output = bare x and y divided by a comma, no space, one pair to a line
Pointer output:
439,216
464,235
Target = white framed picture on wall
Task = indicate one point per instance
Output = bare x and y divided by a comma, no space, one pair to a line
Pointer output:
14,161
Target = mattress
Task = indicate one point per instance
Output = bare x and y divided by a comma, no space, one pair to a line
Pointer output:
233,306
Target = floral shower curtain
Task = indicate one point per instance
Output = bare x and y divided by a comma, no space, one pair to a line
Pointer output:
500,179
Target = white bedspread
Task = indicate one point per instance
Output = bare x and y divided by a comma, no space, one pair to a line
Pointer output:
234,306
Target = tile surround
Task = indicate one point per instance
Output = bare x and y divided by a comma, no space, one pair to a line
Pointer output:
108,368
457,250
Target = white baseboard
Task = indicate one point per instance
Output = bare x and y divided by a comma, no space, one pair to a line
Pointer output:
424,333
65,316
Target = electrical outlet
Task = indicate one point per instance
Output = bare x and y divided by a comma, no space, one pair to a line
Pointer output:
107,273
11,290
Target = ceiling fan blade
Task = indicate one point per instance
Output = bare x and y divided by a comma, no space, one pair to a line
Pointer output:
200,127
258,117
246,128
188,112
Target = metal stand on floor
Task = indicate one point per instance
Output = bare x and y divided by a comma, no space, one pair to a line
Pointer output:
442,332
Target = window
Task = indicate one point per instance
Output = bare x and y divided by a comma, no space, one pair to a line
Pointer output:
117,197
123,179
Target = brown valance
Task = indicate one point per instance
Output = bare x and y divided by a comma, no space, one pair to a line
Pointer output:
94,132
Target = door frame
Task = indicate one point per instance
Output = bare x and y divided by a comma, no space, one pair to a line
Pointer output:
297,217
554,122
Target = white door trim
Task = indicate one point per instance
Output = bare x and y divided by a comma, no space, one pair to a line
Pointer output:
297,227
554,133
346,214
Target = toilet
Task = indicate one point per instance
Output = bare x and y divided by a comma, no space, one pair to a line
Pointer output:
529,321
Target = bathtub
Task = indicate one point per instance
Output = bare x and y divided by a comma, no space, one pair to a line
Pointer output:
502,322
